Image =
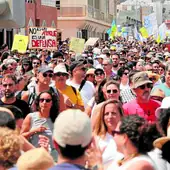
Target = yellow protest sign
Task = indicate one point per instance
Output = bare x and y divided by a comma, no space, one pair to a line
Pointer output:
77,44
144,32
20,43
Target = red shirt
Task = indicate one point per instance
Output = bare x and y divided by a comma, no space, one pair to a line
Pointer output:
145,110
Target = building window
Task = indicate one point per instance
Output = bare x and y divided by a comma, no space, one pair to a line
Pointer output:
37,23
51,3
53,24
44,23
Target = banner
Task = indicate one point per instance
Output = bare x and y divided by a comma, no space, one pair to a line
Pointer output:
42,37
77,45
20,43
91,41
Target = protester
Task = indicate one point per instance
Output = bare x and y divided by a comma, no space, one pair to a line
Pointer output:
73,97
142,105
107,120
72,137
41,121
9,88
131,137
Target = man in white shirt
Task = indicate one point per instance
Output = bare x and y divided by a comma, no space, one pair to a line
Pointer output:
86,88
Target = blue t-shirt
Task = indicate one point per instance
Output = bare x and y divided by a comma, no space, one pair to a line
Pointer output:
67,166
162,87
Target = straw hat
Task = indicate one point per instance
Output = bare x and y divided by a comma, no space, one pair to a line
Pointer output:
37,158
158,143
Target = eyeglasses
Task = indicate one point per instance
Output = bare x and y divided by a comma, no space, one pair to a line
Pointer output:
116,132
46,100
121,64
112,91
152,79
146,86
99,74
125,73
5,85
35,63
49,75
25,64
61,74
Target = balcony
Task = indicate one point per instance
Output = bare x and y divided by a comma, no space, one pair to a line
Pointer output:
84,11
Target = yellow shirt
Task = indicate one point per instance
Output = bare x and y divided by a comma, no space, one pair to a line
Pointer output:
75,98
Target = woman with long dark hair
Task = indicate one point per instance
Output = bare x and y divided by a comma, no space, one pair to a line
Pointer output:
41,121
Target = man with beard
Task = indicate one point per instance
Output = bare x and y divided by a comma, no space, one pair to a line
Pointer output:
9,88
142,105
115,59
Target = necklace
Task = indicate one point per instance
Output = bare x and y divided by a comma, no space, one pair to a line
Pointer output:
123,160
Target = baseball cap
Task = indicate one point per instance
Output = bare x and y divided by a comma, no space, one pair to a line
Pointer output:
164,105
90,71
72,127
45,69
140,79
60,68
75,64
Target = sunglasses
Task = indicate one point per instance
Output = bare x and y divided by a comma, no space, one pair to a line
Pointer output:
121,64
145,86
152,79
49,75
99,74
60,74
116,132
25,64
126,73
91,75
5,85
46,100
112,91
35,63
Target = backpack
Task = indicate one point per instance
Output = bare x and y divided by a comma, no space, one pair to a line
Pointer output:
33,96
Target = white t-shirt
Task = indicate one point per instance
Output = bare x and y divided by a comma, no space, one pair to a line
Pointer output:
87,91
157,158
110,152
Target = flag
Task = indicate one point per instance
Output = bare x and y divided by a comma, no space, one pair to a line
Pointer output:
144,32
137,35
113,30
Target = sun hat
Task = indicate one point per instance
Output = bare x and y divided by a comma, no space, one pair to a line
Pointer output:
60,68
140,79
36,159
158,143
72,127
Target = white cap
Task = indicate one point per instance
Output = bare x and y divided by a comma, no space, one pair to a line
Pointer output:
60,68
103,56
72,127
164,105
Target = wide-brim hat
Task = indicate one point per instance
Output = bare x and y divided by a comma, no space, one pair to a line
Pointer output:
140,79
158,143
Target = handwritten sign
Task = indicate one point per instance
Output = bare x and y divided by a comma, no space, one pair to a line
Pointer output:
77,44
20,43
42,37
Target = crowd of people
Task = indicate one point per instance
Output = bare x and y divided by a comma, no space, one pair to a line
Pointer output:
104,109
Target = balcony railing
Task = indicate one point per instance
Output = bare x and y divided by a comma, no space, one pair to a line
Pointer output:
84,11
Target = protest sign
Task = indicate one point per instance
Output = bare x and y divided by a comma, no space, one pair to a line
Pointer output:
20,43
42,37
77,45
91,41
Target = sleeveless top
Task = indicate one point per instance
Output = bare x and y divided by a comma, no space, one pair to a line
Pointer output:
37,121
136,159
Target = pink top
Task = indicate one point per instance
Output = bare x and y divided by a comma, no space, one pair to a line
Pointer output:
145,110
